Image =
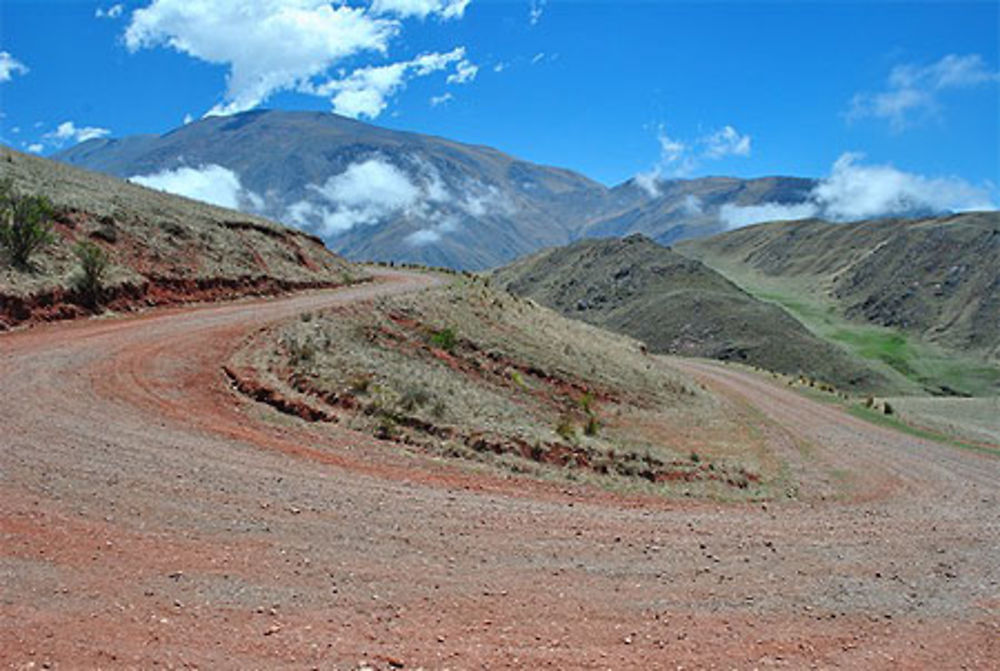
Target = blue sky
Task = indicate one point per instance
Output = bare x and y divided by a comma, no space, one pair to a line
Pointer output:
612,89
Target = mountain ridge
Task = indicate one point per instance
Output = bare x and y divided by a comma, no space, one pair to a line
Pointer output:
460,205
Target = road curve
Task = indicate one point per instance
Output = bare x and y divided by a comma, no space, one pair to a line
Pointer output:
148,517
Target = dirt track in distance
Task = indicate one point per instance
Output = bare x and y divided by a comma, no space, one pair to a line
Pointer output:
150,516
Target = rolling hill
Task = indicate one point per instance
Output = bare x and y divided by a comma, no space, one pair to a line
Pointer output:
920,296
677,305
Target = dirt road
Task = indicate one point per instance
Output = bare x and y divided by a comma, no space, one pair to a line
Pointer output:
149,518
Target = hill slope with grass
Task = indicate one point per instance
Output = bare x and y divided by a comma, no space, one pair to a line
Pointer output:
920,297
160,248
470,373
676,305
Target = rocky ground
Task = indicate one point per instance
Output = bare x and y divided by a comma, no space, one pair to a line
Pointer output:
151,515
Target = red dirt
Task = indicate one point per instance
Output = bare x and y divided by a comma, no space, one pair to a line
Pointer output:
150,517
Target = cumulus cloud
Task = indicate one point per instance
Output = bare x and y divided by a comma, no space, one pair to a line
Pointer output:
914,92
112,12
208,183
365,91
67,131
854,191
36,148
10,66
270,46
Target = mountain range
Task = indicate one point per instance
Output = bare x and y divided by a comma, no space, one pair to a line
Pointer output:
380,194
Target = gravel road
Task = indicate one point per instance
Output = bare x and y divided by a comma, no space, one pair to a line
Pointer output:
152,518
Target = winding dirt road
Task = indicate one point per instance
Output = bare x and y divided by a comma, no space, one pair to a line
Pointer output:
149,518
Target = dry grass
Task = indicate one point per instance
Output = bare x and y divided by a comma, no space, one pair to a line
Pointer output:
147,234
517,386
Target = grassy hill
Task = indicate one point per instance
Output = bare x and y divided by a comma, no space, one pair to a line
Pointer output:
677,305
162,248
470,373
920,299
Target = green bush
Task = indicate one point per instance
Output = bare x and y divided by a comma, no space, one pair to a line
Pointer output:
94,264
445,339
24,224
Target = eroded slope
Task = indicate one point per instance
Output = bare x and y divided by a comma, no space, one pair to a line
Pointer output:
162,247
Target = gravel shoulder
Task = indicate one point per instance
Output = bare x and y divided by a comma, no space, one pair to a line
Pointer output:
150,515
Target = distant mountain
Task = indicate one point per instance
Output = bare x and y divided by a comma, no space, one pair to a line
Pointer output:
676,305
677,209
375,193
936,278
369,192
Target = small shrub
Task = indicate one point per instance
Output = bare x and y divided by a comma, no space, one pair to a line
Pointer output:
94,263
300,353
439,409
413,398
586,401
360,384
592,426
24,224
444,339
566,430
695,457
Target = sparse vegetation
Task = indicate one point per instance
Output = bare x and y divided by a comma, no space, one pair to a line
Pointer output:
523,390
25,224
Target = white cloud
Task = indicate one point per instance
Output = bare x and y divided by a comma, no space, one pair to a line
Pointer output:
441,99
446,9
500,67
365,91
692,205
737,216
36,148
680,158
913,93
188,119
432,234
112,12
726,142
277,45
537,57
268,45
856,191
365,193
208,183
536,10
67,131
465,72
10,66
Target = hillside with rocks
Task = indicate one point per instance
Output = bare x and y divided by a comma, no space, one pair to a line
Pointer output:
161,248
